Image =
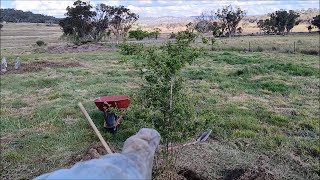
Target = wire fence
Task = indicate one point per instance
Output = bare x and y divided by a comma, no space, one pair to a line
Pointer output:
296,43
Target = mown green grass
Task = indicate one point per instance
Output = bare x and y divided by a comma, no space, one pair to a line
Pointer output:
270,99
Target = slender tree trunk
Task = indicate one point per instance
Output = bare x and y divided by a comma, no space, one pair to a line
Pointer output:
117,38
171,94
170,114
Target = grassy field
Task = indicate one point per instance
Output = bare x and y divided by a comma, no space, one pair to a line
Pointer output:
258,104
307,43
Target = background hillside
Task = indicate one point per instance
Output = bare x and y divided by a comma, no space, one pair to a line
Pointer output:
249,23
18,16
167,24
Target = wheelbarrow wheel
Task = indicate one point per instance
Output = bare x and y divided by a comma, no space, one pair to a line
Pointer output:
112,130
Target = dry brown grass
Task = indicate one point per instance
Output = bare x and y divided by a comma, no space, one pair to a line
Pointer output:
22,35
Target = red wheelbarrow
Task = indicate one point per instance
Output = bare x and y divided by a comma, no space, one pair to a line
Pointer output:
105,103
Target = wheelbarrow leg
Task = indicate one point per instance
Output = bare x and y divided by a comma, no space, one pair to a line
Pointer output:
112,128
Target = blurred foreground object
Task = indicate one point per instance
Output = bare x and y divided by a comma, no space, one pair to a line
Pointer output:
135,161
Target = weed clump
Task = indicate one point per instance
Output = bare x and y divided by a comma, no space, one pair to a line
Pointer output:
310,52
259,49
40,43
172,36
138,34
205,40
131,48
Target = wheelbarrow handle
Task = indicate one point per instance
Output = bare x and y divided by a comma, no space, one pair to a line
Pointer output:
104,143
106,103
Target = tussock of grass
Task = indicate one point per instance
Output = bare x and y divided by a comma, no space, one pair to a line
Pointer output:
18,103
42,82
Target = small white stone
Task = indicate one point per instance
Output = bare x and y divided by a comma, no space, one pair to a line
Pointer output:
17,63
4,64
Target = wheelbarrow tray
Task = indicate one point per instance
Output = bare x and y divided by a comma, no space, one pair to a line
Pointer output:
119,101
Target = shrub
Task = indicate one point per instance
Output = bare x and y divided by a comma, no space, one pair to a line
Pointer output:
163,92
40,43
299,42
288,50
275,86
39,50
205,40
186,36
172,36
138,34
154,34
259,49
1,26
131,48
310,52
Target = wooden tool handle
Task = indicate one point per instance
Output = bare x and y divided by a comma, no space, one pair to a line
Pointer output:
105,145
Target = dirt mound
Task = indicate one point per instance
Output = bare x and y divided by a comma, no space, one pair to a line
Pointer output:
191,175
78,48
221,160
38,65
93,152
257,173
169,174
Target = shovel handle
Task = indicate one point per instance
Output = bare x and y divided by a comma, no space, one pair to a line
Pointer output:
104,143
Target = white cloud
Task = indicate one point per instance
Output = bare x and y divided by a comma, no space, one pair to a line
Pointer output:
145,2
48,7
110,3
155,8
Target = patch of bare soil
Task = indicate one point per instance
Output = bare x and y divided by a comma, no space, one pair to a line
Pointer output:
93,152
240,98
255,173
191,175
285,111
219,160
38,66
245,97
78,48
169,174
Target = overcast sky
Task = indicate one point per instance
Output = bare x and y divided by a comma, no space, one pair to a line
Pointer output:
154,8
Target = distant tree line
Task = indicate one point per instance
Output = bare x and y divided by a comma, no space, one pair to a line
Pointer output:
316,22
140,34
84,23
279,22
18,16
224,21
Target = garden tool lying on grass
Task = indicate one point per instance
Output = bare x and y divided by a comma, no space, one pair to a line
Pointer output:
203,137
104,143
